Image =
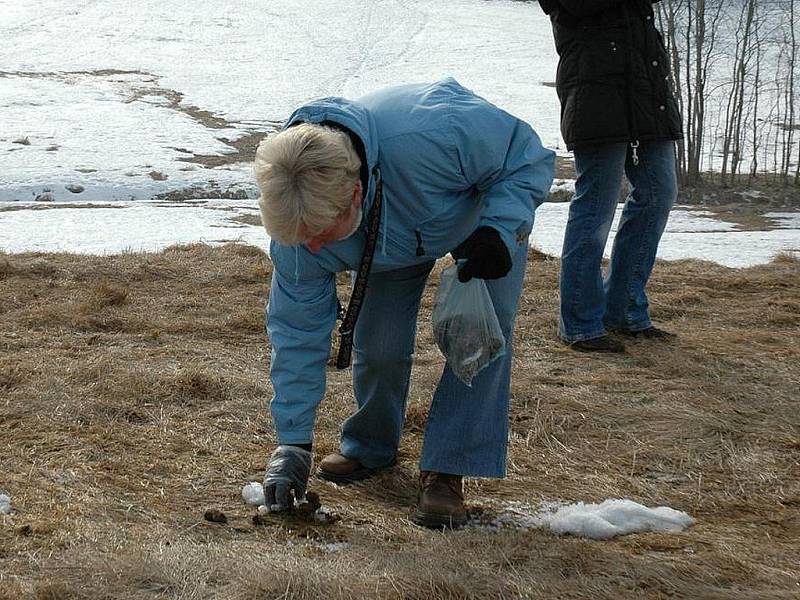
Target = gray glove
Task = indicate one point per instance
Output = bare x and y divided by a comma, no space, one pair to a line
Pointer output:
287,477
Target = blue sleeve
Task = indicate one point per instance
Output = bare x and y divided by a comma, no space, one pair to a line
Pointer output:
300,317
503,158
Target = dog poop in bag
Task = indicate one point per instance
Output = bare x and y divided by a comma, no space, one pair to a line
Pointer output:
465,325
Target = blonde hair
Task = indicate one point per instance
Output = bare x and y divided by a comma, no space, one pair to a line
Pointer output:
306,175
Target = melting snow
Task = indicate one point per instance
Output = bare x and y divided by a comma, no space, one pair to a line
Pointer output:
596,521
116,227
5,504
615,517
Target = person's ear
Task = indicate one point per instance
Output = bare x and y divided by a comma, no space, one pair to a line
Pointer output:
358,194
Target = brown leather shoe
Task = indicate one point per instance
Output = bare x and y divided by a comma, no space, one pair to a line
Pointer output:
440,503
342,470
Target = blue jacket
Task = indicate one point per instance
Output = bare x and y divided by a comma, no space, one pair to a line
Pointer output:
449,162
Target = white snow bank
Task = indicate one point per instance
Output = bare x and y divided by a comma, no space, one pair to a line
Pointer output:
5,504
125,226
595,521
86,228
565,185
785,220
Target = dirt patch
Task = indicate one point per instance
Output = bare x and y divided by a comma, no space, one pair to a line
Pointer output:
133,398
245,151
565,168
745,217
248,219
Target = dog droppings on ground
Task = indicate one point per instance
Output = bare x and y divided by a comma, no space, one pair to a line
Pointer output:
308,510
215,516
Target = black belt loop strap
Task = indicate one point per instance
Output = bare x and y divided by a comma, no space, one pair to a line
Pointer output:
360,287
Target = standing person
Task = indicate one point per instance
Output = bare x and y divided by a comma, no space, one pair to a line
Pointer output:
398,178
619,117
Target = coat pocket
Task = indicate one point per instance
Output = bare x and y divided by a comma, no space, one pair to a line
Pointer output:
603,59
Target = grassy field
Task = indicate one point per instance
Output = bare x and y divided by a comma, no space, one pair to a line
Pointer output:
133,397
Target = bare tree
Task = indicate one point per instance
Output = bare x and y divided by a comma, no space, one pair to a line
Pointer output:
692,27
734,114
790,99
668,23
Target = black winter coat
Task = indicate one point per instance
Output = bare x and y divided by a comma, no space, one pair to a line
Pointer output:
613,76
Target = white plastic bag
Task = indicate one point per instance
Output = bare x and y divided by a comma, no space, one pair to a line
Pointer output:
465,325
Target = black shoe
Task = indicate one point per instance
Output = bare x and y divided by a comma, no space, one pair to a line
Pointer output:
603,343
651,333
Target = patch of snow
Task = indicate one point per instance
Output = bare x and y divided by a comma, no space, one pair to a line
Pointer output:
750,193
126,150
119,85
785,220
5,504
602,521
127,226
335,546
566,185
253,493
689,234
110,228
615,517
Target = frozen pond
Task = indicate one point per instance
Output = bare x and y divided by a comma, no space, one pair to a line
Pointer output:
125,100
108,228
116,103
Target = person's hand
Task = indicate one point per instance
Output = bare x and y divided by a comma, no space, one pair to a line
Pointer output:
486,255
287,477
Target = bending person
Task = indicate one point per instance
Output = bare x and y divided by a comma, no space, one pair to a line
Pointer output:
415,171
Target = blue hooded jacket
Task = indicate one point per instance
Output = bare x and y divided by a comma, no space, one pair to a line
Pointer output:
449,162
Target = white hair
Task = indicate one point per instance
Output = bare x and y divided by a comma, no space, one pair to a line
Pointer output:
306,175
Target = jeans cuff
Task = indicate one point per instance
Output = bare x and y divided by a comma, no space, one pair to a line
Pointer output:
579,337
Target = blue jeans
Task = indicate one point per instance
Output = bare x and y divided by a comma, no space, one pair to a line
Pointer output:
590,304
467,427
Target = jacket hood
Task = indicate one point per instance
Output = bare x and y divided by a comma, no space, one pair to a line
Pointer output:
353,116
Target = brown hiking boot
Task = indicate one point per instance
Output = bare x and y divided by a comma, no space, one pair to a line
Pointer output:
342,470
440,503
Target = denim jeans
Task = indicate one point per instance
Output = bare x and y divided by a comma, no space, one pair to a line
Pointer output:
591,304
467,427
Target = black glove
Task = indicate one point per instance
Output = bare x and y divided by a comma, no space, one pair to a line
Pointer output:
287,477
486,254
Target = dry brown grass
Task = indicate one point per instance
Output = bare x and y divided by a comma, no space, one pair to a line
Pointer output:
133,394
